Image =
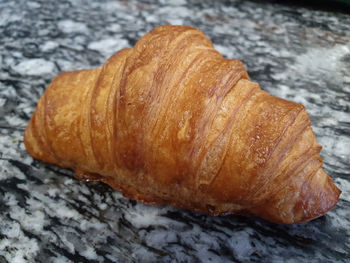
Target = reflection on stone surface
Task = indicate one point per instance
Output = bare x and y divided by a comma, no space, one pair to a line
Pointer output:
46,215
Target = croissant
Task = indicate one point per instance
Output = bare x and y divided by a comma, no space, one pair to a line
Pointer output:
170,121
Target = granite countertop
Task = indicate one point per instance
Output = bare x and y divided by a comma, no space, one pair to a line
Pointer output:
298,53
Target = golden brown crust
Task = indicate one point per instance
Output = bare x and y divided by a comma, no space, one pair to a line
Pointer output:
171,121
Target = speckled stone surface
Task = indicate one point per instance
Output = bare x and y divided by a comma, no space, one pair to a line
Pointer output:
46,215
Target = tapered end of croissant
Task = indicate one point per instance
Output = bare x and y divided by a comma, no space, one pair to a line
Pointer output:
302,189
315,198
34,136
318,196
54,133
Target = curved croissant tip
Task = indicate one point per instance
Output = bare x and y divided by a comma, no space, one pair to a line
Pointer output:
317,198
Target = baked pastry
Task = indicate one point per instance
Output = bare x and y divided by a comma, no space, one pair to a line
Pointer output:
170,121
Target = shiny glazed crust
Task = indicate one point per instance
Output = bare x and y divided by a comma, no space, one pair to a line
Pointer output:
170,121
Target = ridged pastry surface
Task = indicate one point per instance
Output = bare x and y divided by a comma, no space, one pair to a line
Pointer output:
170,121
